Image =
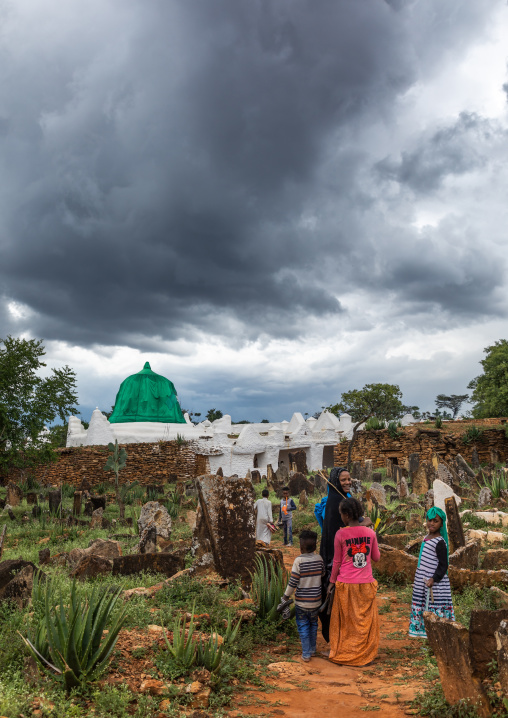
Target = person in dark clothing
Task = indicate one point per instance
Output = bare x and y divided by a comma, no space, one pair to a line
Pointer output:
340,489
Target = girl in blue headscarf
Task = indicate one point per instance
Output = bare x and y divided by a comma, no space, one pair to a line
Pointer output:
431,587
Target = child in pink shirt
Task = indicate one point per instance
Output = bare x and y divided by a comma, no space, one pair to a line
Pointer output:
354,621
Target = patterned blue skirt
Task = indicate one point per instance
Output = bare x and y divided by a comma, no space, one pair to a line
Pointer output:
439,602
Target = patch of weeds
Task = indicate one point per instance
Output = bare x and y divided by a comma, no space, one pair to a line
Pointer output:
396,636
468,600
386,607
370,708
432,703
139,652
112,701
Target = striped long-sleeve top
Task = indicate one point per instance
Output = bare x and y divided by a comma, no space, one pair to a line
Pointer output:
305,580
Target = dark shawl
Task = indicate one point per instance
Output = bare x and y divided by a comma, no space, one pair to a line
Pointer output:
333,521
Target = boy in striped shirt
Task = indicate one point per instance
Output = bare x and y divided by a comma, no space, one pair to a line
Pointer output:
305,583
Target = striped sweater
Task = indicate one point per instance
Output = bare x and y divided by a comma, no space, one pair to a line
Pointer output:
305,580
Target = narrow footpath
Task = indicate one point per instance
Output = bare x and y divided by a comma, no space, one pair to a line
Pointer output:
323,688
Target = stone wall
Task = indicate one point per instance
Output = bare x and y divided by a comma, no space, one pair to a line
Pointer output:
165,461
426,440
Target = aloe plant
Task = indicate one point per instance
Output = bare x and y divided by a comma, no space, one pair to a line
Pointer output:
183,649
209,653
268,585
378,522
68,642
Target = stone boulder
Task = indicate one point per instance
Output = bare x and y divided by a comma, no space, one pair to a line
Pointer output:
155,515
422,478
96,522
395,540
92,566
499,597
495,558
102,548
449,642
502,654
298,483
303,500
14,494
19,589
299,458
148,540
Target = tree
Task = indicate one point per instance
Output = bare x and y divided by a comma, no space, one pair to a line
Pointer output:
381,400
213,414
29,401
490,389
116,462
452,402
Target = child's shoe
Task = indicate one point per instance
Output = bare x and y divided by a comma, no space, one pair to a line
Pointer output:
304,658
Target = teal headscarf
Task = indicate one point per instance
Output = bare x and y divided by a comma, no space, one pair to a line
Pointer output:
431,514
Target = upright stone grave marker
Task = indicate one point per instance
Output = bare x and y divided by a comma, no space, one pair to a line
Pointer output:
226,523
368,469
76,506
414,463
475,459
14,494
454,524
55,499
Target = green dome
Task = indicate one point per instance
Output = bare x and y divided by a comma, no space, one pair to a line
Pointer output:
147,396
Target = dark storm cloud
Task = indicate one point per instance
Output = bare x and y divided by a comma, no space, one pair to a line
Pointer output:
453,150
158,159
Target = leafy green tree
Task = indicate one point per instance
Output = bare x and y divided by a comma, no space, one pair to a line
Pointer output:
29,401
452,402
490,389
213,414
383,401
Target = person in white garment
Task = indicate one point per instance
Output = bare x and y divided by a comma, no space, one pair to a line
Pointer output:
263,509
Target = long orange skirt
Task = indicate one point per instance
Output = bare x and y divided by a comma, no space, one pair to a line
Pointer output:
354,624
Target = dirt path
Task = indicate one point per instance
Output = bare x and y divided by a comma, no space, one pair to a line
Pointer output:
322,688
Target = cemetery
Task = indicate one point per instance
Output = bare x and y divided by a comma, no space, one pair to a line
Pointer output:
132,583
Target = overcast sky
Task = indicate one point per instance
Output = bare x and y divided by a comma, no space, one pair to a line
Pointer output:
272,202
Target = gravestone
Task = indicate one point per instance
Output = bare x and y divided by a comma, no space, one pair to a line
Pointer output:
414,463
148,540
377,493
300,459
462,464
441,492
155,514
98,502
423,478
389,465
54,498
255,476
298,483
31,498
454,524
282,475
14,494
475,459
76,505
484,497
402,488
96,522
225,524
467,556
303,500
444,473
270,476
88,511
368,470
501,636
483,625
449,642
377,476
429,500
356,470
165,563
396,473
44,556
36,511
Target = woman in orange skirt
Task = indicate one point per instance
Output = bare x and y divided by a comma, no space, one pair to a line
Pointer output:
354,623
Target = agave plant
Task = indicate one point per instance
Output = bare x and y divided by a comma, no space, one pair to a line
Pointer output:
378,522
209,653
182,648
231,631
268,585
68,642
497,484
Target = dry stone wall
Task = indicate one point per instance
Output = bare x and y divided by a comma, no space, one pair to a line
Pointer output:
420,439
163,462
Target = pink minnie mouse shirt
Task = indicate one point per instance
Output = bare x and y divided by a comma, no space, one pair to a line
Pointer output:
354,547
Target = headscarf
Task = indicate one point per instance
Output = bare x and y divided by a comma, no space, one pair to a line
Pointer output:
332,520
440,514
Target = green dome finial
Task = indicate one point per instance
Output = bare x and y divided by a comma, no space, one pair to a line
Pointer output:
147,396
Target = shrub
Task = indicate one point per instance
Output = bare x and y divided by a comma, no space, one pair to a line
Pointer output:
374,424
471,435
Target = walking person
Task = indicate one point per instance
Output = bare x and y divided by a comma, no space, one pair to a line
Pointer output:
354,620
264,517
339,489
305,583
286,508
431,587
